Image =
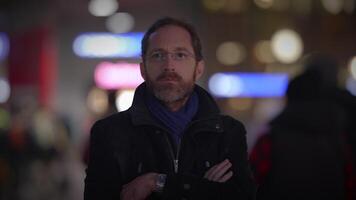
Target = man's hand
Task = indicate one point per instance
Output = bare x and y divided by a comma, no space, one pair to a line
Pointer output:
139,188
218,173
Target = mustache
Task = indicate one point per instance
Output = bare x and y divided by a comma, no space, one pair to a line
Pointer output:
169,75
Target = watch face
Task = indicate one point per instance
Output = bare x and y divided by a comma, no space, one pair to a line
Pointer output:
160,182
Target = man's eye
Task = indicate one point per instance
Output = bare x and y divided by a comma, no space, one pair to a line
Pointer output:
181,55
157,55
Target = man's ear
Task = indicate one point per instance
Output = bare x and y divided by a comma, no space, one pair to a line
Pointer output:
143,71
199,69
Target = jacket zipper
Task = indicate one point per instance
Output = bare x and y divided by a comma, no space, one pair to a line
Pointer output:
176,160
175,157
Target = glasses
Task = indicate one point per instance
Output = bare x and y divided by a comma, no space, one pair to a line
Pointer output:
160,56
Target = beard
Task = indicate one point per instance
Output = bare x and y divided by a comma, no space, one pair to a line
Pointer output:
169,92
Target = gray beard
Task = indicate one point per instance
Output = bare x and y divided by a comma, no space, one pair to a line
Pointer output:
169,93
172,93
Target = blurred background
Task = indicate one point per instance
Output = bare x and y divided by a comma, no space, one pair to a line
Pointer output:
65,64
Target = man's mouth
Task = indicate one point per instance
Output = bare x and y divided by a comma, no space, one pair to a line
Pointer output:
171,77
168,79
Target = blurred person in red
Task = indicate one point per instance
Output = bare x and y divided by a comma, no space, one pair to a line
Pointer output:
305,152
172,143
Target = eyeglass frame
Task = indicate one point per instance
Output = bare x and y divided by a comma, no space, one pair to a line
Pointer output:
173,55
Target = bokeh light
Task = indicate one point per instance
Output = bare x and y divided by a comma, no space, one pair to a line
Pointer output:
351,85
4,119
45,129
109,75
236,84
214,5
4,46
263,51
264,4
108,45
101,45
124,99
230,53
287,46
120,22
103,8
5,90
352,67
333,6
98,100
225,85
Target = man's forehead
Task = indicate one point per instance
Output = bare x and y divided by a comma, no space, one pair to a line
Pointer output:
170,36
178,48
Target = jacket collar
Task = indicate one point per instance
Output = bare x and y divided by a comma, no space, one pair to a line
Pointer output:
208,110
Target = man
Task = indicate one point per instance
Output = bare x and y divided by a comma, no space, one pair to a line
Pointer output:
172,143
305,152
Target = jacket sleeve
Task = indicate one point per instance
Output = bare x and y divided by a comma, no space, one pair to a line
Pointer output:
102,174
241,186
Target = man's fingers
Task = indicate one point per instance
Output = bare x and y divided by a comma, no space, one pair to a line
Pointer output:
219,172
209,172
217,168
226,177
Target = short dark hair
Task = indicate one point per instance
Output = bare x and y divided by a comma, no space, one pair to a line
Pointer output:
172,21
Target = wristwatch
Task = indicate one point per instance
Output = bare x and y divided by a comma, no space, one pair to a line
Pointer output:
160,182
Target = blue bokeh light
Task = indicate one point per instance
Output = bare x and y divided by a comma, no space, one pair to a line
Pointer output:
108,45
258,85
351,85
4,46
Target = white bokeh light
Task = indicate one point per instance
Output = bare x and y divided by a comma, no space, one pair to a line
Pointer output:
263,51
264,3
287,46
120,22
109,45
4,90
106,44
124,99
225,85
352,67
230,53
333,6
103,8
98,100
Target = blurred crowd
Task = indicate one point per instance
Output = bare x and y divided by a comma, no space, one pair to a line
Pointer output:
38,159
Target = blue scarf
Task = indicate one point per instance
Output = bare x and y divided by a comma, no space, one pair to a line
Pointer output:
177,121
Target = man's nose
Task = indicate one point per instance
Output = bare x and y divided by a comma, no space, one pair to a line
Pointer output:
169,64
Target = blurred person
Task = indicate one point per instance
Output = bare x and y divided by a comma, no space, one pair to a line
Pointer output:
327,67
172,143
35,156
305,152
55,168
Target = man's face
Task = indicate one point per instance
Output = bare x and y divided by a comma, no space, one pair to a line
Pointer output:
170,68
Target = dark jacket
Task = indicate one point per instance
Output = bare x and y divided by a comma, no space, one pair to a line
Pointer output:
131,143
307,157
